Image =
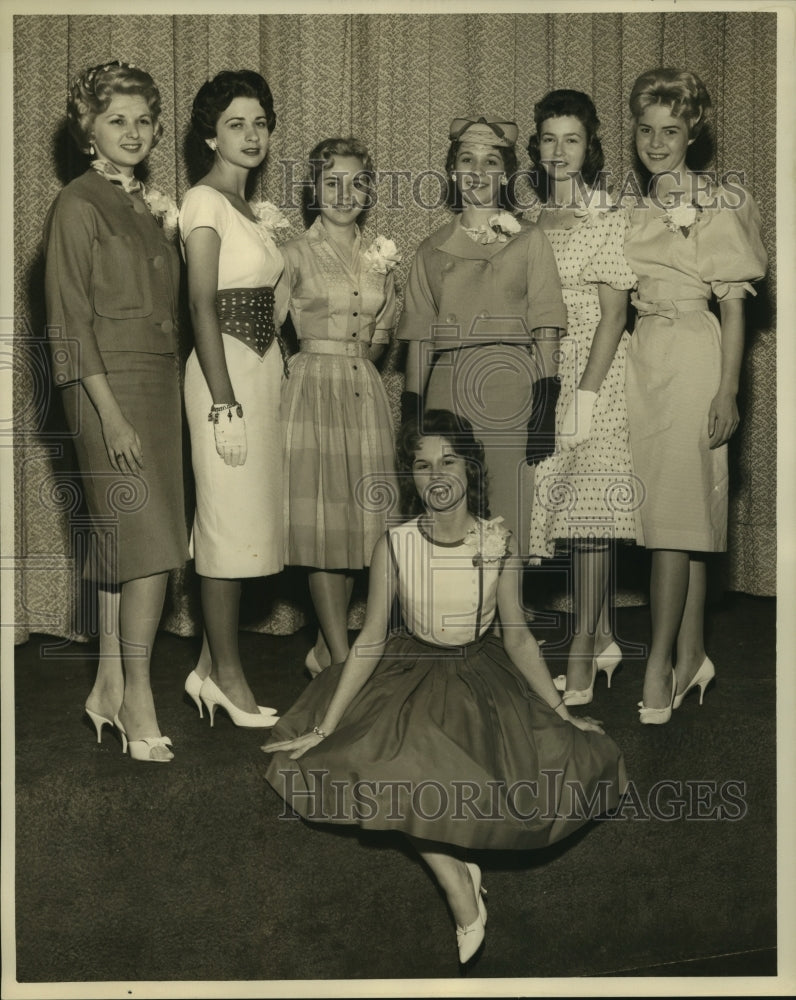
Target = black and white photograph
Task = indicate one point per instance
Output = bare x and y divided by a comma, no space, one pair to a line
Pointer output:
396,499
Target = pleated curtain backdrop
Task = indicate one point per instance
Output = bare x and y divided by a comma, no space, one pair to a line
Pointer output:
395,80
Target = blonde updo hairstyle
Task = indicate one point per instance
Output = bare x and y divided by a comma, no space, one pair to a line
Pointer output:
680,90
92,92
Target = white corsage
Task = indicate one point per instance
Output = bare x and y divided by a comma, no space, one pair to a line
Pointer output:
163,208
681,218
382,255
489,541
503,225
269,217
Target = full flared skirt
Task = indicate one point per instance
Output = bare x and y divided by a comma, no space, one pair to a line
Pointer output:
448,745
137,519
339,465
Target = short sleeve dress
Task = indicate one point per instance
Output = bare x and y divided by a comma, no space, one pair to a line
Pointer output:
339,456
674,361
237,529
477,304
588,492
446,741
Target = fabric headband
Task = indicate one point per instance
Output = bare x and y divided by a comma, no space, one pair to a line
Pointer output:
491,133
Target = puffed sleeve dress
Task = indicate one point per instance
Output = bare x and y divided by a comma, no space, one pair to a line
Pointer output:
674,362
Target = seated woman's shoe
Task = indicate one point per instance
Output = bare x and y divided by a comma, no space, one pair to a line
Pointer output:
99,721
469,939
657,716
480,891
701,679
193,686
151,748
212,695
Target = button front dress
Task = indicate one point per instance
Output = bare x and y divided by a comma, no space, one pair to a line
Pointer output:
339,456
674,362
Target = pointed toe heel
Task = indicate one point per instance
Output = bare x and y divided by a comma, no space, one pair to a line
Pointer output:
584,696
193,685
212,696
609,660
701,679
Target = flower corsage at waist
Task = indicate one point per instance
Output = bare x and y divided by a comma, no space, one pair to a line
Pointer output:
681,218
382,255
489,541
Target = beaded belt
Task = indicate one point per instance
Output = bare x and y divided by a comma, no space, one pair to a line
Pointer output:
668,308
247,314
357,349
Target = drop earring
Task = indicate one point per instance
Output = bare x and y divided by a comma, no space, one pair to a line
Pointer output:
91,149
504,179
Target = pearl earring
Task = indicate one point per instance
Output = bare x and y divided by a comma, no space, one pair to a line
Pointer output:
504,179
91,149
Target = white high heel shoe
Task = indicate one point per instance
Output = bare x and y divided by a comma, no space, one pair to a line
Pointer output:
142,749
470,938
193,687
607,661
99,721
480,890
212,695
701,679
657,716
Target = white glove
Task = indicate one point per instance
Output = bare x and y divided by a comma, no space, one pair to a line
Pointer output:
576,425
229,428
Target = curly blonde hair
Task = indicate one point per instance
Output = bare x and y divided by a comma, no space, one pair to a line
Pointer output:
92,92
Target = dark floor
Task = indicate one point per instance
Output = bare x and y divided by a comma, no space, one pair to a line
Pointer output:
188,873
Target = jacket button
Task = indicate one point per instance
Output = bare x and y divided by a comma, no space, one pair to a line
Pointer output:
450,318
167,326
140,207
157,261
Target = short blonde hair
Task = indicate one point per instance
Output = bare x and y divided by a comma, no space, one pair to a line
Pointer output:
680,90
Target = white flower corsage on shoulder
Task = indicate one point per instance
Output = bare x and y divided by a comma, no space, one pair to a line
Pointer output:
382,255
164,209
489,541
681,218
503,225
269,217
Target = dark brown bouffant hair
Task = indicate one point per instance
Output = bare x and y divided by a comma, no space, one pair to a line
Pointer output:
216,95
92,92
459,432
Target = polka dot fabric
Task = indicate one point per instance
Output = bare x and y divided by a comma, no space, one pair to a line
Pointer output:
589,491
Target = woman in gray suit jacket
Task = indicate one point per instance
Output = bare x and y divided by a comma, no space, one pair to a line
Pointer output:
111,286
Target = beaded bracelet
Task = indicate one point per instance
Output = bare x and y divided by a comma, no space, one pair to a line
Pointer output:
218,408
319,732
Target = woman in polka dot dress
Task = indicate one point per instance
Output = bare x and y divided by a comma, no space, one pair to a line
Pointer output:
584,494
